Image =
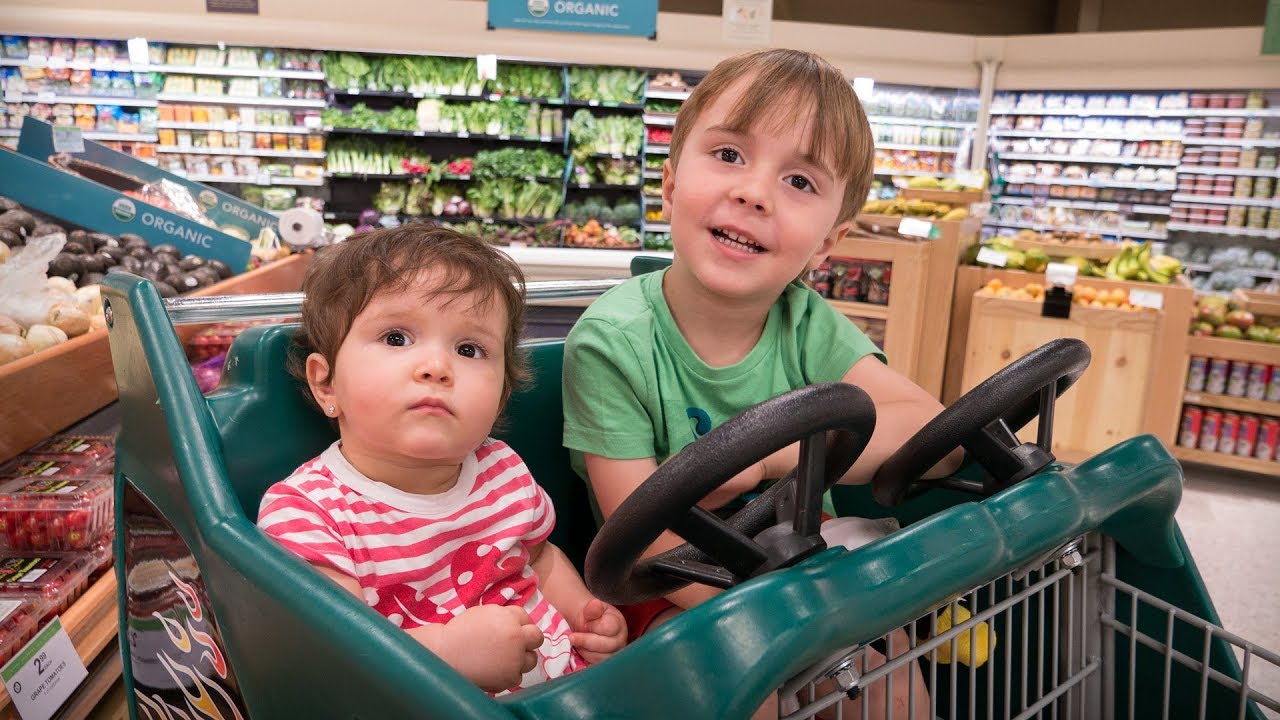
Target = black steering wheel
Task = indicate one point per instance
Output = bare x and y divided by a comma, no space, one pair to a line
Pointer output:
756,539
984,422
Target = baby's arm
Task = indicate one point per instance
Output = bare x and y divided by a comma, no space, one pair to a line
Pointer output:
598,629
490,645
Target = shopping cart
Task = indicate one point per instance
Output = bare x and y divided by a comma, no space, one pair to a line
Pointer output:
1079,573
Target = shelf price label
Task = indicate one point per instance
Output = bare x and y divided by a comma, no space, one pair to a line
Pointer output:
67,139
57,62
1153,299
971,179
1061,274
487,66
915,227
44,673
991,256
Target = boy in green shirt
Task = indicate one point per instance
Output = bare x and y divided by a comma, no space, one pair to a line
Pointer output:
771,158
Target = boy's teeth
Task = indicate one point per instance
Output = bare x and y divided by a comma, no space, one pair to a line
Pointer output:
735,241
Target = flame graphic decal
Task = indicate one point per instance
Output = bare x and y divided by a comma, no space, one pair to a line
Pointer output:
201,701
213,653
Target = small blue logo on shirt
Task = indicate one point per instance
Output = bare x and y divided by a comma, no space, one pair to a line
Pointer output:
701,421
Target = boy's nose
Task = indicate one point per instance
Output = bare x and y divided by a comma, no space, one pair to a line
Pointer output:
751,192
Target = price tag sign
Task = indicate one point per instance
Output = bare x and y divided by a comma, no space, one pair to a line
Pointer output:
1061,274
504,136
915,227
991,256
44,673
311,122
264,179
67,139
230,126
972,179
57,62
1153,299
464,134
487,66
46,96
593,102
139,52
37,61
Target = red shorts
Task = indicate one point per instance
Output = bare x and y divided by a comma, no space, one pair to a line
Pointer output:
640,616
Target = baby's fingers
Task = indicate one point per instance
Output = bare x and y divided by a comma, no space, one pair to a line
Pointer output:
532,636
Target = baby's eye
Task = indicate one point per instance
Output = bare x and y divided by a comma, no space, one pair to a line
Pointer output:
728,155
395,338
800,182
471,350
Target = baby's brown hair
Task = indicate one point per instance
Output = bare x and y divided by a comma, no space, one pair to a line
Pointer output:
343,278
784,83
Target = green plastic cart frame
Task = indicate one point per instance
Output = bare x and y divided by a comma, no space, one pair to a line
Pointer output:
1080,571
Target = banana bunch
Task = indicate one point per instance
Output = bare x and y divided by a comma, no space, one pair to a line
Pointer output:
915,208
1135,262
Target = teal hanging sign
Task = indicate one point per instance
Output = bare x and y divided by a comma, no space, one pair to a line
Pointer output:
611,17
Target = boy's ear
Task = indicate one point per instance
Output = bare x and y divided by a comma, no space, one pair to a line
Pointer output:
320,380
829,243
668,187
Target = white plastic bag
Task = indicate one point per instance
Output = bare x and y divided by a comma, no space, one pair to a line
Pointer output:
25,294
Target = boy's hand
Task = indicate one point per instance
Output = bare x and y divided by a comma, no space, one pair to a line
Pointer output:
492,645
598,632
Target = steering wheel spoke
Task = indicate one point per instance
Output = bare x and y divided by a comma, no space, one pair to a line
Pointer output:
693,571
736,552
810,484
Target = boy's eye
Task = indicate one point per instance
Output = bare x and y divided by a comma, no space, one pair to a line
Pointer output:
395,338
728,155
470,350
800,182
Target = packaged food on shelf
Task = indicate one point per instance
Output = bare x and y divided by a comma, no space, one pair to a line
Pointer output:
48,468
55,514
67,446
56,578
20,619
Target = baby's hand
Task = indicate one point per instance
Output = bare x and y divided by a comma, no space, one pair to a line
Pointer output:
492,645
599,631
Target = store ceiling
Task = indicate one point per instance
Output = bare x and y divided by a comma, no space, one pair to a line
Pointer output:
1006,17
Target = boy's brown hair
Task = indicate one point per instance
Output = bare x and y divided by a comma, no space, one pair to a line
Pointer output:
343,278
785,83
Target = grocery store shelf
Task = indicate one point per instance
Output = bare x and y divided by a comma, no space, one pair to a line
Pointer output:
1047,180
602,186
1232,462
256,180
80,100
1232,142
1082,135
1087,159
919,148
1231,112
232,126
912,173
234,72
1225,200
39,61
1214,170
1244,350
1126,112
657,150
1237,404
660,120
618,261
248,152
1083,204
1257,272
1118,232
657,227
94,135
861,309
1225,230
652,174
652,94
462,135
652,200
604,104
232,100
894,120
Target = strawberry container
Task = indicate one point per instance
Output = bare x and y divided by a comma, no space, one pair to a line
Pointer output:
56,513
19,621
57,578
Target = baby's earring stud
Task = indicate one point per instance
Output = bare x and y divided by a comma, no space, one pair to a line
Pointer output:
330,410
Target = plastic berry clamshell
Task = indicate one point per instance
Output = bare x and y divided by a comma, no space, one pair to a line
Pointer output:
55,513
57,578
99,448
49,467
19,621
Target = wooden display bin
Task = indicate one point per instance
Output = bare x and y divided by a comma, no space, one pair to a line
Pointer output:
48,391
950,197
1133,385
919,295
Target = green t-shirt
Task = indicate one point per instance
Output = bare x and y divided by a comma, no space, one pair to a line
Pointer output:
633,388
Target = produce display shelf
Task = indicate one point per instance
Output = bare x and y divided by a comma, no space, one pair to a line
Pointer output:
40,61
660,120
92,623
1214,170
81,100
1257,272
1082,204
1225,230
657,150
652,174
233,72
95,135
1104,251
609,104
1226,200
912,173
602,186
1244,350
1081,135
1118,232
351,214
411,176
235,127
248,152
256,180
1127,112
654,94
406,94
1229,112
1233,142
1235,404
1231,462
1051,180
861,309
429,134
616,156
1087,159
611,263
657,227
895,120
652,199
233,100
919,148
495,97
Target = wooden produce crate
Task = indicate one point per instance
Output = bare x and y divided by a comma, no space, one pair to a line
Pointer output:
1064,250
48,391
949,231
923,272
951,197
1141,379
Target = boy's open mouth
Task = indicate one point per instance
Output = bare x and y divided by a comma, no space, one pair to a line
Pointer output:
735,241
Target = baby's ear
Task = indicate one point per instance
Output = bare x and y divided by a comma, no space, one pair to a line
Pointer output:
829,243
320,380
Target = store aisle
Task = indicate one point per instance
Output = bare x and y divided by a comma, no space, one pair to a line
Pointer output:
1232,524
